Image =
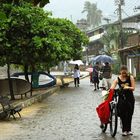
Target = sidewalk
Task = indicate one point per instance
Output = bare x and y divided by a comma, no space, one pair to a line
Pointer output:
39,94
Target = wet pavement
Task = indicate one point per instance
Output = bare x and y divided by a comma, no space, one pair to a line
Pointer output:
68,114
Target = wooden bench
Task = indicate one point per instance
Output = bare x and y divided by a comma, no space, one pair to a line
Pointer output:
20,87
8,109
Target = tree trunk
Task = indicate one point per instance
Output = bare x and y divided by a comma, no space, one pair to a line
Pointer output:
48,70
10,82
122,58
32,72
26,72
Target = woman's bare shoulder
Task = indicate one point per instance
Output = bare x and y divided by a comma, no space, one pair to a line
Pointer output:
131,77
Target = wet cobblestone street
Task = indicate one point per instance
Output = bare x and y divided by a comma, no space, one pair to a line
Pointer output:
68,114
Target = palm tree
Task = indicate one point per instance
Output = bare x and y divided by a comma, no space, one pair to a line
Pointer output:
98,17
94,15
111,34
111,39
87,9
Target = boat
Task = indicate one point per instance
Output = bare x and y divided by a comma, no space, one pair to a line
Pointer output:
39,79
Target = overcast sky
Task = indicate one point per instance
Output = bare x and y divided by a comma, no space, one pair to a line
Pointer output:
72,9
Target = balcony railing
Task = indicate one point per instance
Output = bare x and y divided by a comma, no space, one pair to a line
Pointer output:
133,40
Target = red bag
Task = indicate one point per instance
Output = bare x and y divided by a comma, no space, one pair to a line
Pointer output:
103,109
110,96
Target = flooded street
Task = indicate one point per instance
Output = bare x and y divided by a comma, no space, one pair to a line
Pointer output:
47,46
66,115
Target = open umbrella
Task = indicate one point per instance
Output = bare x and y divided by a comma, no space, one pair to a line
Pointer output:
79,62
103,59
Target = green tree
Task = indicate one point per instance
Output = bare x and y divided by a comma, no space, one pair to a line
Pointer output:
40,3
63,40
30,37
94,15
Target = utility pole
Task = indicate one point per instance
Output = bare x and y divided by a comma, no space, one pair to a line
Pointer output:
120,3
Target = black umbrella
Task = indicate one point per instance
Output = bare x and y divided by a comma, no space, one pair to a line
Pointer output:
103,59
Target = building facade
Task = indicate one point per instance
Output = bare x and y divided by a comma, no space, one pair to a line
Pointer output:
131,50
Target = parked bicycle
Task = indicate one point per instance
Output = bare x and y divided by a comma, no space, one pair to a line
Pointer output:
113,120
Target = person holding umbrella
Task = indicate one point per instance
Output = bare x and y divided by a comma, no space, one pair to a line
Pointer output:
95,76
107,75
90,74
76,75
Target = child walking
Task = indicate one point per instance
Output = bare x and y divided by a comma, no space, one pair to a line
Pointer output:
76,75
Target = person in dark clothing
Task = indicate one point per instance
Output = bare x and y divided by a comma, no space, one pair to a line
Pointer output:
95,76
126,99
90,76
106,74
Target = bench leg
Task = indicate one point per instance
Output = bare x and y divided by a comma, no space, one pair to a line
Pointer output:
8,117
19,114
31,93
12,115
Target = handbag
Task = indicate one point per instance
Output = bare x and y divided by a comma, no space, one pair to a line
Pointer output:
100,76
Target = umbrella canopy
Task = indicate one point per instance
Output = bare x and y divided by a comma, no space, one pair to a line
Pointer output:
103,59
79,62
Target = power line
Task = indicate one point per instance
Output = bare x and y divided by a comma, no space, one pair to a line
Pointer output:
125,13
130,5
128,8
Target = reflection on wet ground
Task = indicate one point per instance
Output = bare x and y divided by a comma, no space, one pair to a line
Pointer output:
66,115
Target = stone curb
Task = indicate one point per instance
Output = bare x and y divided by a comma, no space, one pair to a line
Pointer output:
41,96
37,98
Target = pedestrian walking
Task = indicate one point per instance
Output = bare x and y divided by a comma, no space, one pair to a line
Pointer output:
95,75
106,74
91,81
126,99
76,75
90,75
65,67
